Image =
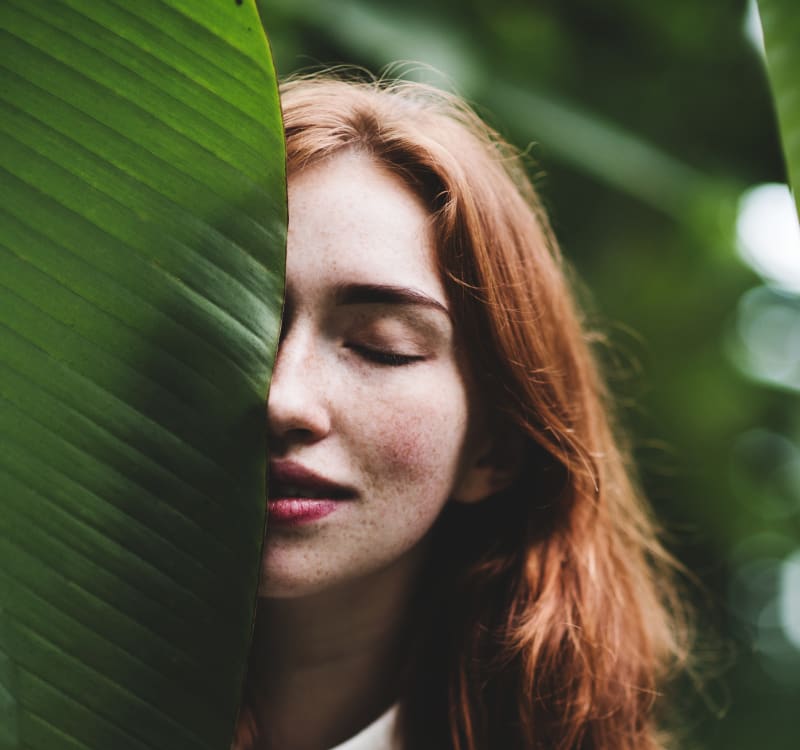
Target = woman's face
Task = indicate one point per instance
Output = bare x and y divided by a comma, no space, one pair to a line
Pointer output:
370,414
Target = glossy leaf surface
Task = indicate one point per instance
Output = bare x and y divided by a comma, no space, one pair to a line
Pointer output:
142,242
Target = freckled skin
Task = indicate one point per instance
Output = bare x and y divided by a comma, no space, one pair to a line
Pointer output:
397,434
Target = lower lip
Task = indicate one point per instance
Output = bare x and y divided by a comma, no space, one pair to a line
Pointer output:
291,511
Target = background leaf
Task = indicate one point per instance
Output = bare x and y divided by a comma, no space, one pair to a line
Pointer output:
780,20
143,209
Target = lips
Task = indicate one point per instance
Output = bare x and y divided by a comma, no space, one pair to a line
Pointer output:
288,479
298,495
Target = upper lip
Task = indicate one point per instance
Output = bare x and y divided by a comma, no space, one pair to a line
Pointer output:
290,474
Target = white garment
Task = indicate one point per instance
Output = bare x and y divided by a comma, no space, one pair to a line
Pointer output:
377,736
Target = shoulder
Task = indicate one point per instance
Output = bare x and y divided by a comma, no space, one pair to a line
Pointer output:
380,735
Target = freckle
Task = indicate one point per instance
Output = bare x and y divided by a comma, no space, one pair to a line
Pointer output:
406,447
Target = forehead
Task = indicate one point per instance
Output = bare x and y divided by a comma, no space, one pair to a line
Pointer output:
352,220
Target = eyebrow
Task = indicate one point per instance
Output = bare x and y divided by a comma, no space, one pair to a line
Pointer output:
384,294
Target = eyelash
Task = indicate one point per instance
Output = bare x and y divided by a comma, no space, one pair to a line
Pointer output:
385,359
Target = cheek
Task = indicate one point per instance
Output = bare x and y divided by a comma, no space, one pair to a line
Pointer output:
417,434
405,445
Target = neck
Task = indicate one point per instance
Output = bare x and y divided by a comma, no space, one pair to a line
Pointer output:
325,665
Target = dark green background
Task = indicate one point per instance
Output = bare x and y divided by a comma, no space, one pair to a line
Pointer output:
647,122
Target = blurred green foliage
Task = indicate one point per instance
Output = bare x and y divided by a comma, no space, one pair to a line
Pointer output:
780,21
645,123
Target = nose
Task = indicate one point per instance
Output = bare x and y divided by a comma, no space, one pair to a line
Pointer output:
297,408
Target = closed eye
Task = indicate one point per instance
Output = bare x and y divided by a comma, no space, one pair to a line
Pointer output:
383,357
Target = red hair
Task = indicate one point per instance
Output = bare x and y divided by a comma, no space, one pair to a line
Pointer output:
549,619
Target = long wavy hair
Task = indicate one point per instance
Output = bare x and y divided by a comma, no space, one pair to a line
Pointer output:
548,618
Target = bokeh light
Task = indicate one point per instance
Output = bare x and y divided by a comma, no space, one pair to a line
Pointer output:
768,234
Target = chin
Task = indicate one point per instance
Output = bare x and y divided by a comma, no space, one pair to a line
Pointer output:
292,581
285,584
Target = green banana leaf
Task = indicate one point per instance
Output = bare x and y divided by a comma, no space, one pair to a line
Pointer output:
142,244
780,20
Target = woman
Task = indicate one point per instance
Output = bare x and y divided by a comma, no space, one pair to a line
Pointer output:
456,556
